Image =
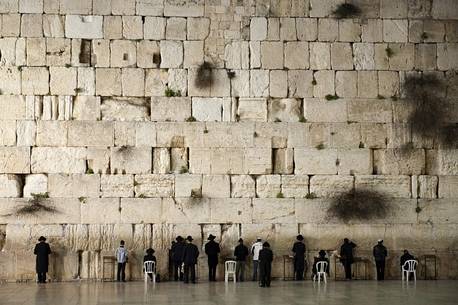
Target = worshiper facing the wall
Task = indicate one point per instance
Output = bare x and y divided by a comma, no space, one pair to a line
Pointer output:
149,257
266,257
299,258
121,258
42,251
240,253
190,255
255,249
346,256
321,258
212,250
380,253
177,258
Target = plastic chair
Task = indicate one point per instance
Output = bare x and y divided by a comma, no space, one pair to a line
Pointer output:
229,269
409,266
321,271
150,267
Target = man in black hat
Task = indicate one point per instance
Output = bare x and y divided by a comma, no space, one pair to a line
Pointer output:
346,256
212,250
299,258
240,253
380,253
177,257
266,256
42,251
149,257
190,255
321,258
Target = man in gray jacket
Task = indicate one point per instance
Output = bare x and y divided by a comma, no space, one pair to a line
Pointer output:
121,258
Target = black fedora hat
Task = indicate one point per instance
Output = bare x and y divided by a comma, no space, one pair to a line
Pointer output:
240,240
189,238
300,237
42,238
179,238
150,251
211,237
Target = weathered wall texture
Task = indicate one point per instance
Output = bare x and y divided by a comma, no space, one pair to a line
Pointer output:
84,117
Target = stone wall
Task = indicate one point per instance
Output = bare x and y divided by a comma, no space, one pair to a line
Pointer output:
100,110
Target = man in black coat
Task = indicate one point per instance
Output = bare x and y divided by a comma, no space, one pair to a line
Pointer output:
266,256
346,256
42,251
380,253
321,258
190,255
406,257
299,258
177,257
212,250
240,253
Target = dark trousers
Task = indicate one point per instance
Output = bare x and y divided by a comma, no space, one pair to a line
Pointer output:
212,272
189,271
264,273
240,271
299,274
347,267
177,272
380,266
121,272
41,277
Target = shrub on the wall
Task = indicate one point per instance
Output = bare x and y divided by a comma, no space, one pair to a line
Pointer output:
35,206
346,10
205,77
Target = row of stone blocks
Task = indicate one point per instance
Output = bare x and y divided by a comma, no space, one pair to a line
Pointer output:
87,244
224,186
437,9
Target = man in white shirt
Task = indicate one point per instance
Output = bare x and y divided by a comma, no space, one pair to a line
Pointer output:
121,258
255,248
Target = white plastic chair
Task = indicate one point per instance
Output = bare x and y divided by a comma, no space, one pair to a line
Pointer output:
409,266
150,267
321,271
229,269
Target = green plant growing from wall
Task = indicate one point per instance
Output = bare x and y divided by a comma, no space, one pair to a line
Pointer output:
205,75
346,10
230,74
302,119
320,146
37,204
184,170
389,52
171,93
280,195
359,205
311,195
331,97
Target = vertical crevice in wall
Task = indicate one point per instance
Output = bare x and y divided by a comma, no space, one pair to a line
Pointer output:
85,51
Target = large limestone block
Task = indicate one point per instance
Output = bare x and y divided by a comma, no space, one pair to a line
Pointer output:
186,211
395,30
192,8
392,186
7,133
90,133
147,53
252,109
437,211
403,56
26,133
161,160
316,110
331,186
346,83
10,78
15,160
345,135
296,55
132,27
231,210
367,84
98,160
193,54
447,54
35,80
228,135
285,110
259,83
273,210
117,186
225,161
52,133
270,58
188,185
171,54
364,56
35,184
90,27
349,30
32,25
100,211
315,161
400,161
208,109
448,186
123,53
242,186
10,186
75,185
145,134
124,109
138,210
294,186
341,56
324,83
86,108
327,29
283,162
320,56
258,28
372,31
444,9
108,82
170,108
154,185
354,161
13,107
322,8
178,159
375,111
442,162
425,56
278,83
300,83
100,52
307,29
216,186
133,83
131,160
257,161
425,186
268,186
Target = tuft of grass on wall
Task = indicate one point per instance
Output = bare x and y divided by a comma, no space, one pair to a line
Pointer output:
204,77
346,10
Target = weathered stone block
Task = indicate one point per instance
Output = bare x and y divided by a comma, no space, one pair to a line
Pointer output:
154,185
112,27
242,186
77,26
372,31
341,56
123,53
7,133
124,109
131,160
448,186
425,56
424,186
257,161
32,25
375,111
258,28
98,160
392,186
273,29
154,28
10,78
173,109
354,161
198,28
400,161
403,57
316,110
300,83
320,56
395,30
108,82
208,109
447,54
444,9
268,186
26,133
327,29
178,159
315,161
88,133
252,109
100,211
132,27
193,53
10,186
216,186
273,210
346,83
133,83
259,83
86,108
307,29
124,133
364,56
442,162
278,83
388,83
324,83
139,210
349,30
331,186
345,135
117,185
288,29
68,160
175,29
52,133
367,84
100,52
296,55
67,186
171,54
294,186
35,184
161,160
188,185
270,58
